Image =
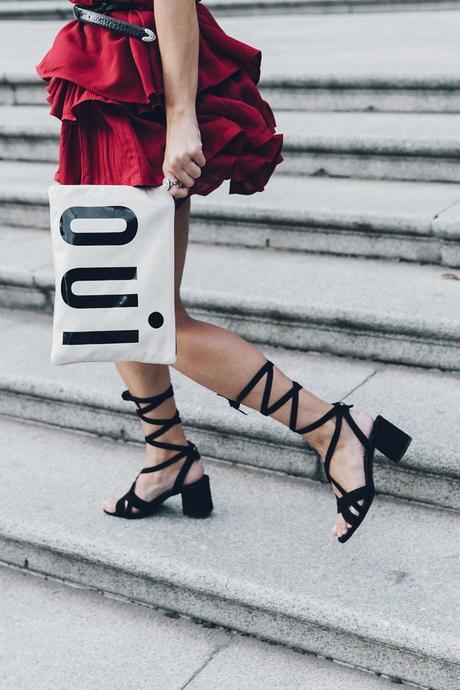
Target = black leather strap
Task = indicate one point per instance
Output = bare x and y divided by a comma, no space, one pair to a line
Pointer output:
107,22
190,451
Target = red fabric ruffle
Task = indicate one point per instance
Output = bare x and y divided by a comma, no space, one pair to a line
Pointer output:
107,90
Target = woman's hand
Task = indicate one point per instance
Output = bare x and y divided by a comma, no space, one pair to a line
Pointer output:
183,155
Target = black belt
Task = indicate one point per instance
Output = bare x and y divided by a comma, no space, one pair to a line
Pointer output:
98,14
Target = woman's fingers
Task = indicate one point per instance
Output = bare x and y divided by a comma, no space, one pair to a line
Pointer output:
183,176
192,169
175,191
184,168
198,156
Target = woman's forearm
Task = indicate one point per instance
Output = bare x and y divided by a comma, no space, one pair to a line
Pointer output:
178,41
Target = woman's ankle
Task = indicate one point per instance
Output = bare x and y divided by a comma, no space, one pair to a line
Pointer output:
320,438
155,455
165,478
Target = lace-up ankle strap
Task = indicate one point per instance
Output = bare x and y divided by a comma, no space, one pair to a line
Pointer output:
151,403
190,451
337,410
292,394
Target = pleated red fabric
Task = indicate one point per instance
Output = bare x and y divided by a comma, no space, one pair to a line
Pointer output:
107,90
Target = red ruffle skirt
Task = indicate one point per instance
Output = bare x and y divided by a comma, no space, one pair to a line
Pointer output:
108,91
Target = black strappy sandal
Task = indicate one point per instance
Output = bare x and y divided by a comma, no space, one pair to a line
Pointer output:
385,436
196,497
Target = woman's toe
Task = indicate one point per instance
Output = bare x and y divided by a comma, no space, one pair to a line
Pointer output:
342,526
109,505
336,528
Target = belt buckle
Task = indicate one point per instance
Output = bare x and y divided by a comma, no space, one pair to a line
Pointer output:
104,8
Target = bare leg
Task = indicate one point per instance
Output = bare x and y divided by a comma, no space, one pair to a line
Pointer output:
224,362
144,380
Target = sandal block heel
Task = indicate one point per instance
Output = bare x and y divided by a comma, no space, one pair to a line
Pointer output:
385,436
389,439
197,499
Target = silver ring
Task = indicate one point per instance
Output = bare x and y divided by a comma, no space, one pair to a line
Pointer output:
167,183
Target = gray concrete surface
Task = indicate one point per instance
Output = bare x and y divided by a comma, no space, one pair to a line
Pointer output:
87,397
52,9
54,635
420,146
249,664
334,216
264,562
323,69
324,47
241,568
404,133
309,92
308,302
333,46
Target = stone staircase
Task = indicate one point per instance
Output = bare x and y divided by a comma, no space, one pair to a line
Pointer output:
345,271
398,146
61,9
210,657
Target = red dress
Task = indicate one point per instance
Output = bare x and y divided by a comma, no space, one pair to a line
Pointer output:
108,91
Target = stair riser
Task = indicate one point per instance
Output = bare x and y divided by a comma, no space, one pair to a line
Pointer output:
371,244
205,230
219,8
39,14
40,148
257,451
286,97
389,100
368,166
23,93
365,166
17,214
234,614
349,341
23,297
346,340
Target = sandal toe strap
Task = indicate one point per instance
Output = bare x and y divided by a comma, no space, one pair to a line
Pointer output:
123,507
125,504
350,500
134,501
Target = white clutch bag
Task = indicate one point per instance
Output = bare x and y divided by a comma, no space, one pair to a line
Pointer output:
113,254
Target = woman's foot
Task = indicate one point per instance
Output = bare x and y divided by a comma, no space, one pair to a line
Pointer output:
162,425
149,486
347,464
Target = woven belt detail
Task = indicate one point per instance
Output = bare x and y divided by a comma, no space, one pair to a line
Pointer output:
97,16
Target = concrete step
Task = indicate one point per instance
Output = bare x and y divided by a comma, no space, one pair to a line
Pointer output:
57,9
48,619
411,60
386,311
402,146
331,215
263,563
307,91
86,397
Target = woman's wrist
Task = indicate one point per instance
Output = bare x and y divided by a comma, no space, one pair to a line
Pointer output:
176,112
